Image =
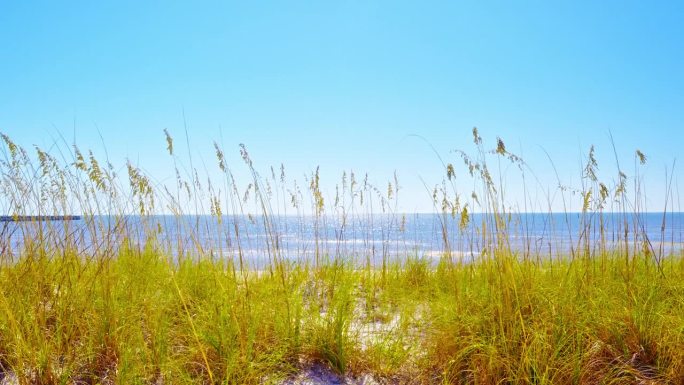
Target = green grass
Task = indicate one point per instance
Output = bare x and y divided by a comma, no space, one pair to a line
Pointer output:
127,313
138,319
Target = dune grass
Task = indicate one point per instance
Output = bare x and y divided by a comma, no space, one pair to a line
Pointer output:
137,318
172,312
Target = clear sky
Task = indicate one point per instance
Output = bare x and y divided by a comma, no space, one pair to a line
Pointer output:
345,84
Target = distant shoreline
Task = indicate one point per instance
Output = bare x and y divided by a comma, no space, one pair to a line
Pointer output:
38,218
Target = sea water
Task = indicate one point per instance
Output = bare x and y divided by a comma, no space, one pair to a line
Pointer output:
371,238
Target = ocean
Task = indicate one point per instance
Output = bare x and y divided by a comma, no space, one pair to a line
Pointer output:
370,238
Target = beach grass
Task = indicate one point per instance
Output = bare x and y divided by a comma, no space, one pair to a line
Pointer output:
126,311
137,318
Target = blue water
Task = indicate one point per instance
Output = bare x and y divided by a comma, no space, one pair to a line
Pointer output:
367,237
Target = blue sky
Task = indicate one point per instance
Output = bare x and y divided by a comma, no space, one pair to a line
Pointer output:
346,84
